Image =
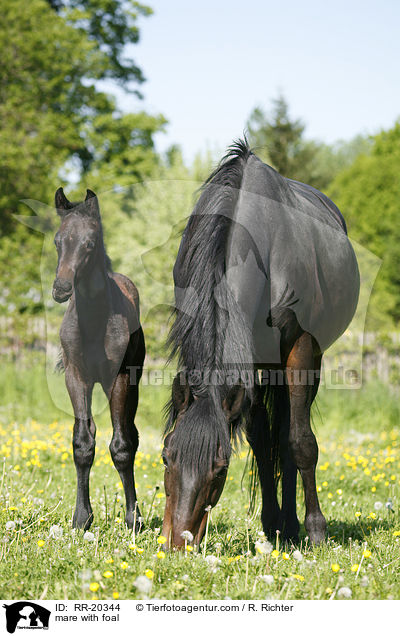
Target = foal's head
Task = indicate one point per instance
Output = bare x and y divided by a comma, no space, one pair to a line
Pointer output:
196,457
78,241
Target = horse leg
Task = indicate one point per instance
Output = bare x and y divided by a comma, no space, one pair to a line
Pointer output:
125,439
83,443
258,437
289,521
302,442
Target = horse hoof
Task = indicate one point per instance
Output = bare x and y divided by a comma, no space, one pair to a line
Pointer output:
316,529
82,519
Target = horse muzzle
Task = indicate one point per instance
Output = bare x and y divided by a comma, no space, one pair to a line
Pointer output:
62,290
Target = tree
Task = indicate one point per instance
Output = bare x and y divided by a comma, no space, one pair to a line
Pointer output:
368,193
54,114
113,25
279,140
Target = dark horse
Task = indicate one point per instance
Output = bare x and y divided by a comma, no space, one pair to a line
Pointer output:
265,280
101,338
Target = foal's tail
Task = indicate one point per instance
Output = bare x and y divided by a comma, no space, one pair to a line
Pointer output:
270,434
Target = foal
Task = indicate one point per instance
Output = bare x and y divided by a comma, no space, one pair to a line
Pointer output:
101,338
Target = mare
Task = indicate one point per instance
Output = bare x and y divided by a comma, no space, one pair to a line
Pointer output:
265,281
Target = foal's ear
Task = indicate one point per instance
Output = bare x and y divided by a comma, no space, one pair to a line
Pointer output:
234,402
92,203
61,201
181,393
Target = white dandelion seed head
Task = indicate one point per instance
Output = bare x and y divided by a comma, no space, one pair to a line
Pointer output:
88,536
297,555
267,578
364,581
187,535
10,525
143,584
344,592
56,532
263,547
212,561
378,505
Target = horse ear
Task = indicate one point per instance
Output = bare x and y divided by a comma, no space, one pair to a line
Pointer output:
181,393
61,202
233,402
92,203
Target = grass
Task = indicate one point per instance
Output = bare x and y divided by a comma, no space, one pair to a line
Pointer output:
358,481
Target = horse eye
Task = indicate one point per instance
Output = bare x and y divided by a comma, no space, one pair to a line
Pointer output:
165,461
90,245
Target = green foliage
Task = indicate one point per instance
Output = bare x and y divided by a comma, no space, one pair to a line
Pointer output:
54,118
368,193
113,25
279,140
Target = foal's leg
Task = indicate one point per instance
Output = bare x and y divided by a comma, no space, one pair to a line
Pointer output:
125,439
302,442
83,444
258,437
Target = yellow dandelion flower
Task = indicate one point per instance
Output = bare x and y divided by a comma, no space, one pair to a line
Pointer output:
159,495
354,567
339,491
93,587
275,553
160,555
140,550
108,574
328,590
149,574
367,554
285,556
132,546
373,489
110,560
116,595
335,567
371,515
396,533
41,543
189,548
124,565
161,540
358,513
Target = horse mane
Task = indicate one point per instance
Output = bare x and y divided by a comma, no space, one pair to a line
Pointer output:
199,336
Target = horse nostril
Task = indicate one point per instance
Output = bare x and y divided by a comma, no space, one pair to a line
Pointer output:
62,285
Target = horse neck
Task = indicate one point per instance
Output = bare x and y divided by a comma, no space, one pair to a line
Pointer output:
93,294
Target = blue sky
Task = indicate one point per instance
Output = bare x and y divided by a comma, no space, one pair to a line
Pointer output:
209,63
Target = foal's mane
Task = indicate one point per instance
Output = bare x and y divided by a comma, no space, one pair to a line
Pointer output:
199,336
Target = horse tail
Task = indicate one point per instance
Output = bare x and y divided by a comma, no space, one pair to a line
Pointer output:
268,434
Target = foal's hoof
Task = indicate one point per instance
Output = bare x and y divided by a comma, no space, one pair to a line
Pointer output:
82,519
315,526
